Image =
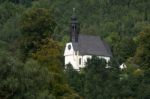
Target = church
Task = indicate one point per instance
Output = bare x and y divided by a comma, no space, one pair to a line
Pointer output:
81,47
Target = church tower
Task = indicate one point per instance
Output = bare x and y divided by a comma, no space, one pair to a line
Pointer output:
82,47
74,33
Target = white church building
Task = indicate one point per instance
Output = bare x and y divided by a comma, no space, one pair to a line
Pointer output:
81,47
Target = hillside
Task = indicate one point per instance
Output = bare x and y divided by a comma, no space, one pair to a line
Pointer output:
33,34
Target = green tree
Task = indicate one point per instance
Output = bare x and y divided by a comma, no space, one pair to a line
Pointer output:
24,2
49,55
124,49
10,30
36,25
142,54
8,10
141,58
19,80
75,79
31,80
95,78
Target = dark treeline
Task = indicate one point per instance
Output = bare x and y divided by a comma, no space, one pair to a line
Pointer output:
32,38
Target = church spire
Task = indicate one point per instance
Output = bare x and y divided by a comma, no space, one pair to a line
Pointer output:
74,28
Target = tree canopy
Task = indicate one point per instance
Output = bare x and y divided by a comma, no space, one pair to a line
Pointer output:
33,34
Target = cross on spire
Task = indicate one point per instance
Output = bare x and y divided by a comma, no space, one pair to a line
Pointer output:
74,9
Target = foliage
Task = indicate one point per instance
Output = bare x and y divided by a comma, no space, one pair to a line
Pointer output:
49,55
49,51
75,79
31,80
41,28
124,49
96,74
20,80
10,30
23,2
8,10
36,25
96,81
142,54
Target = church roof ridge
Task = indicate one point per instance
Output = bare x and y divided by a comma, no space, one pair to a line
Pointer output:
92,45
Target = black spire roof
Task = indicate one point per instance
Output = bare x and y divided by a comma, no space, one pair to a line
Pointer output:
87,44
74,28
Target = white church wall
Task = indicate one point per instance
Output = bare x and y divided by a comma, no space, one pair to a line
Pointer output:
67,50
70,56
72,60
106,58
76,60
85,57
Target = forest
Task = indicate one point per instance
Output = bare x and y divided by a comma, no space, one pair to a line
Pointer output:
33,34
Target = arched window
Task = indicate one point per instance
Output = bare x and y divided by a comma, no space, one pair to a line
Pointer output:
69,47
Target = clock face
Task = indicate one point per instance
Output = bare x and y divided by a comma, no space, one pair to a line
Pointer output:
69,47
